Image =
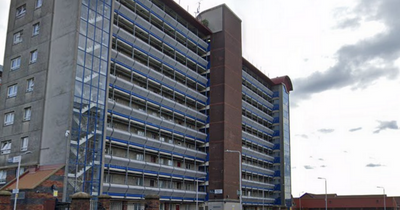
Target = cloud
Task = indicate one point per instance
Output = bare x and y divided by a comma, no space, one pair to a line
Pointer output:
303,136
383,125
321,159
359,65
323,166
353,22
373,165
326,130
308,167
355,129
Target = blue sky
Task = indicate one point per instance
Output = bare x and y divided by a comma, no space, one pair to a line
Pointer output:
343,57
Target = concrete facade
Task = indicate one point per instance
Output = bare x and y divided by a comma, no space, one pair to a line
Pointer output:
138,98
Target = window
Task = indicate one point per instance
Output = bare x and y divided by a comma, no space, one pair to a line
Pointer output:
139,181
15,63
12,91
38,3
24,143
17,37
21,171
29,85
27,113
6,147
188,165
34,55
21,11
188,186
35,30
139,157
3,176
9,118
140,133
161,184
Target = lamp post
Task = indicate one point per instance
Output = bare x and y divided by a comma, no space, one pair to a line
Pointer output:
326,194
240,173
197,193
384,197
16,190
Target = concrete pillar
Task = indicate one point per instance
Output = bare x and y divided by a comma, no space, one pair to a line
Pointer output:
5,200
80,200
152,202
104,202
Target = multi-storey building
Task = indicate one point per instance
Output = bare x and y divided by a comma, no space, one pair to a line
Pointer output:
137,97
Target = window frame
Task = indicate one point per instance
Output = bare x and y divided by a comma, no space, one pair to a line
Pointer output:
14,89
20,11
30,83
38,3
3,176
18,35
24,143
36,29
27,113
5,147
8,115
15,63
33,56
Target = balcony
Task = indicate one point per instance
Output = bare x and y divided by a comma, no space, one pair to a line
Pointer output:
256,111
153,168
249,167
155,144
256,97
164,124
249,152
257,140
157,55
257,84
251,123
140,191
155,98
160,35
173,23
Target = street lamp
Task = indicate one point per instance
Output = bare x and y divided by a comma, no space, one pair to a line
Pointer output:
384,197
16,190
326,194
240,173
197,193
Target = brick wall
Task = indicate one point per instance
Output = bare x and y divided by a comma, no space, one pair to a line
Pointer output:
42,196
5,200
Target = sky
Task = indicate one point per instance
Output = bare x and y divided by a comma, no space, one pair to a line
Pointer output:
343,57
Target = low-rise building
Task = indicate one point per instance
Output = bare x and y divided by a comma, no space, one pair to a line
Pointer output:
346,202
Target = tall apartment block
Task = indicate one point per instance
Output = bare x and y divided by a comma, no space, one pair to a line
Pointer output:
130,98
